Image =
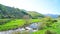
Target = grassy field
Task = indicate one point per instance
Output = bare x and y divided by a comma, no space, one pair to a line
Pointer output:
20,22
15,24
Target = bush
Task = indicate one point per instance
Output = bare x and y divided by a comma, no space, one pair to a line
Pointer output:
54,21
3,21
50,32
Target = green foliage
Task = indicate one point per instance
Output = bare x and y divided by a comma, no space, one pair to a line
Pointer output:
27,19
48,21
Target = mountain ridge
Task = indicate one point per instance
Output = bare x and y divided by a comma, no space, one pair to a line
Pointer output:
52,15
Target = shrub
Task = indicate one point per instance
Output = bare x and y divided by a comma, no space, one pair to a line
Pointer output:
54,21
50,32
3,21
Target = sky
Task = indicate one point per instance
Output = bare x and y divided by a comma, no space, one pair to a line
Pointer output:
41,6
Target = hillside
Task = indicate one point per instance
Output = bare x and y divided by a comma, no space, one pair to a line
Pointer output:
35,14
11,12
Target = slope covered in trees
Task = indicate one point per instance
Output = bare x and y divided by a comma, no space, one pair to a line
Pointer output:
11,12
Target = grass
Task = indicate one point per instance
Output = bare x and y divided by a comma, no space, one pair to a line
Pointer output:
20,22
15,24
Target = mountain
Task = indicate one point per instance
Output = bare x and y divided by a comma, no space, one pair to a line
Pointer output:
52,15
35,14
11,12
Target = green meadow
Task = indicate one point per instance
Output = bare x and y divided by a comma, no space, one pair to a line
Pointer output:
16,23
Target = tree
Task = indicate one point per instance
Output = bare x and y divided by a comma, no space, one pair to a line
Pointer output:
47,21
27,19
59,16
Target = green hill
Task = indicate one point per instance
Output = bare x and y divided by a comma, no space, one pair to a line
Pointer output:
35,14
11,12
